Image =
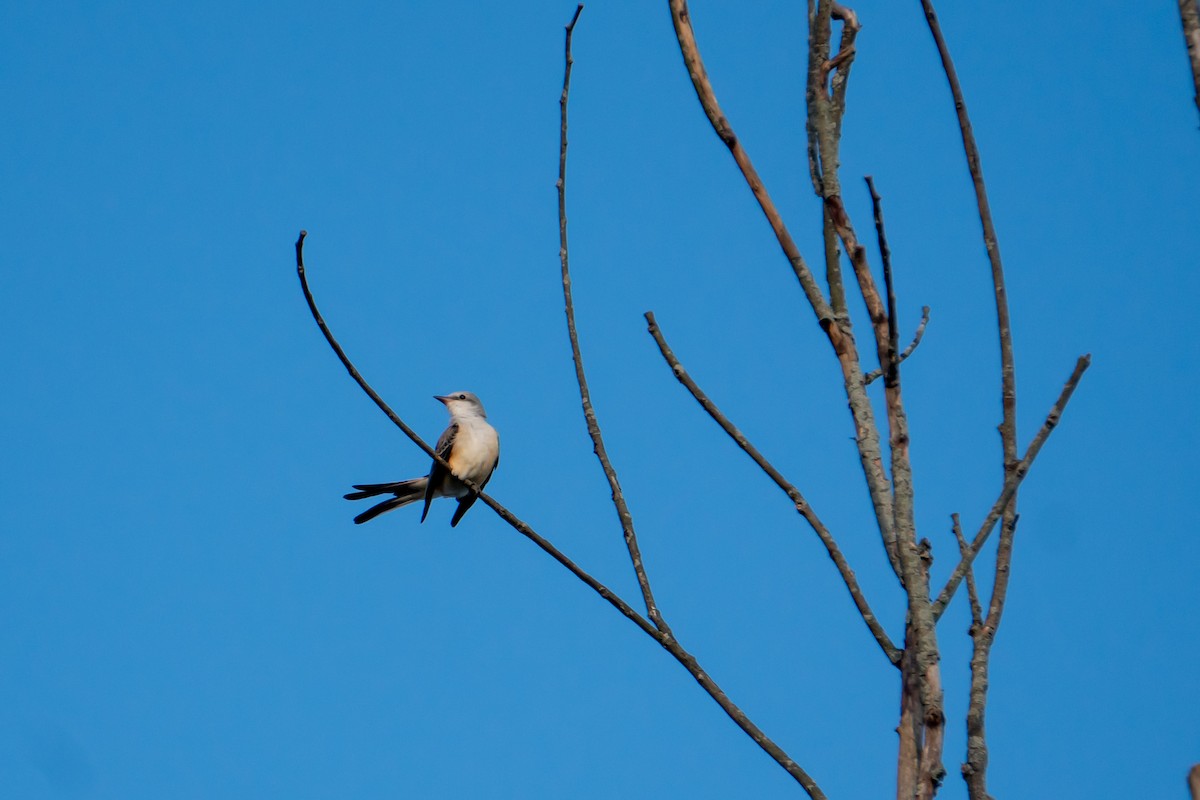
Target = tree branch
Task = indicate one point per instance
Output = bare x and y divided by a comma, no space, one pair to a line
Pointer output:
1007,370
805,510
926,711
665,639
972,595
1008,380
712,109
1010,486
1189,15
826,107
885,255
866,433
593,426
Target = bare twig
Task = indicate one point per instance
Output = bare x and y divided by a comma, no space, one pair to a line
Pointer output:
885,255
1010,486
1007,369
712,109
972,595
666,640
866,433
794,494
1189,15
876,374
589,413
1008,391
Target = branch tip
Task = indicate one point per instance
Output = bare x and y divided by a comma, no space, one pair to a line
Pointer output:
574,19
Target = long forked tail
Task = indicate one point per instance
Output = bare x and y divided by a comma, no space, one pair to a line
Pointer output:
405,492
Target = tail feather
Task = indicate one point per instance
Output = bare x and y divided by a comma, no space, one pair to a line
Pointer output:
398,488
375,510
405,492
463,504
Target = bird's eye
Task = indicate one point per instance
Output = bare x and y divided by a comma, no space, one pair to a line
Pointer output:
462,397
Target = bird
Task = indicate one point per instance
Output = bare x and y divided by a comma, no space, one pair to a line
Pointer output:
469,445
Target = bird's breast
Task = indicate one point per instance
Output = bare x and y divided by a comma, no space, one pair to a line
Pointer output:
476,448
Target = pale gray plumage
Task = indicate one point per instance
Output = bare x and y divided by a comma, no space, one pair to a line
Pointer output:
470,445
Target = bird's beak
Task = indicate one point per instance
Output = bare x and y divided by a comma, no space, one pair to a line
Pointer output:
440,399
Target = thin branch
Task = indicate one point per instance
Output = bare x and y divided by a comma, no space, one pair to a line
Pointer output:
840,65
866,433
1189,15
1010,486
885,255
589,413
354,373
857,254
1008,387
972,595
1007,369
876,374
1003,570
712,109
666,640
805,510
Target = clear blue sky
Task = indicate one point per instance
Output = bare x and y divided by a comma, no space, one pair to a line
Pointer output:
186,610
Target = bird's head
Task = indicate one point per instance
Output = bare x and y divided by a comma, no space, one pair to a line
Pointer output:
461,404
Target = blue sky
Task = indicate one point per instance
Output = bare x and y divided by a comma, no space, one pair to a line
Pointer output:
188,611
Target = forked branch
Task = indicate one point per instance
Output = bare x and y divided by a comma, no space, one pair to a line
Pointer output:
972,595
1010,486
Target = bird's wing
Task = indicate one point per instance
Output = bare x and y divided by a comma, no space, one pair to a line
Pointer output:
446,441
438,473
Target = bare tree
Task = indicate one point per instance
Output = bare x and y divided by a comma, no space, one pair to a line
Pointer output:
883,452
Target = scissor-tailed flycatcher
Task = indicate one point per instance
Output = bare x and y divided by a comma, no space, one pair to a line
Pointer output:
470,445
